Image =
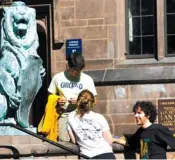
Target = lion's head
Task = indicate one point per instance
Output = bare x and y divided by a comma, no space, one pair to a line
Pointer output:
19,25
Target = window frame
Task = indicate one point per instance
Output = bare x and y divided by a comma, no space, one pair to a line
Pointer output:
141,56
166,32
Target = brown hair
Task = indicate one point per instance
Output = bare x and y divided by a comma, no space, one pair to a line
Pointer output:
85,101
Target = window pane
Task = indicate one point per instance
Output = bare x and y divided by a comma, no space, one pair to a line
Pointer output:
134,26
147,26
170,24
147,7
170,6
170,44
141,27
135,46
134,7
148,45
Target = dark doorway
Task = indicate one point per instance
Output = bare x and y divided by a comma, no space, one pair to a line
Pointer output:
44,50
41,98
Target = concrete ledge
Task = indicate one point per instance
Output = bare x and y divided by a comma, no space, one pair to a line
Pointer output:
44,149
24,146
133,75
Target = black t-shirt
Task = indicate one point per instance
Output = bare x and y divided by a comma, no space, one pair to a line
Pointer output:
152,141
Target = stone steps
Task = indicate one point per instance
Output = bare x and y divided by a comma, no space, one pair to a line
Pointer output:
28,145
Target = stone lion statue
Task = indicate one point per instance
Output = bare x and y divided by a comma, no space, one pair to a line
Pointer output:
21,69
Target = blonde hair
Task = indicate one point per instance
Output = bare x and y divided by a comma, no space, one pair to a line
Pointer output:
85,101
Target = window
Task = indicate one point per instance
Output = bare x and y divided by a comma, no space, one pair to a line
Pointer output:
170,27
141,29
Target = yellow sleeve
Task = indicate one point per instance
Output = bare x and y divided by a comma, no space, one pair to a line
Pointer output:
50,115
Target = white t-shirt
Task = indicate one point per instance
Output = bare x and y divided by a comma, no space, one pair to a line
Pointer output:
60,84
88,133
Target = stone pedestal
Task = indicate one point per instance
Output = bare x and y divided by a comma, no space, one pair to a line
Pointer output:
11,131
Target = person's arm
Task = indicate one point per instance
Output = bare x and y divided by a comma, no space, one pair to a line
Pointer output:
70,130
52,86
105,129
131,141
72,137
108,137
122,140
167,136
54,90
61,100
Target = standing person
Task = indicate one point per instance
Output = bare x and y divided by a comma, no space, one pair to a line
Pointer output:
151,139
90,130
68,85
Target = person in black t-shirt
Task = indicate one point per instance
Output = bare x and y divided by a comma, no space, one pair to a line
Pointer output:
151,139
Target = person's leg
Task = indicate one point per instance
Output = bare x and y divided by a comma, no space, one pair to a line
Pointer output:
105,156
63,133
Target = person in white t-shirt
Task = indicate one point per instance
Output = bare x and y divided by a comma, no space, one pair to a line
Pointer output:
68,85
90,130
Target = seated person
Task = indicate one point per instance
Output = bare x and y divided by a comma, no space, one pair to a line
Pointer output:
90,130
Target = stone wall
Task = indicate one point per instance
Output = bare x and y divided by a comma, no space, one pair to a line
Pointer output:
101,26
116,103
96,23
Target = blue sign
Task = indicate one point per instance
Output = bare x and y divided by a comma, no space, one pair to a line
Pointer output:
73,46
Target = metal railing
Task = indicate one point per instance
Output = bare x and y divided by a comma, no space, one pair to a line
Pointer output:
44,139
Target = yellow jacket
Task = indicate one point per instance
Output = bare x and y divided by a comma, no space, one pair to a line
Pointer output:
49,122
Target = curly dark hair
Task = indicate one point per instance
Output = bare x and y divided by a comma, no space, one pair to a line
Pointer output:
148,108
76,61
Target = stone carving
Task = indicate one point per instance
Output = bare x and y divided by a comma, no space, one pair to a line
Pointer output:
21,69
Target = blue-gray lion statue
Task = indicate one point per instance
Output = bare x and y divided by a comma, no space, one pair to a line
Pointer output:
21,70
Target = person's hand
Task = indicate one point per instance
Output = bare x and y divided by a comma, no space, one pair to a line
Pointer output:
61,101
72,100
122,140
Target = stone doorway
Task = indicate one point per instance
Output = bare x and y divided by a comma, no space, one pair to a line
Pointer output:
39,103
44,50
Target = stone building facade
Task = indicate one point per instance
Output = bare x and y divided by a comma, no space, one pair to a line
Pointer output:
121,79
128,48
123,71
